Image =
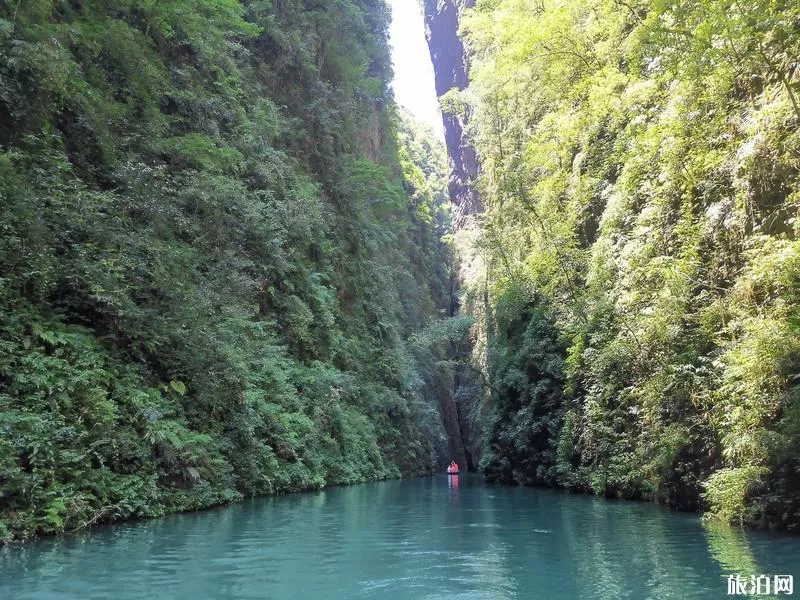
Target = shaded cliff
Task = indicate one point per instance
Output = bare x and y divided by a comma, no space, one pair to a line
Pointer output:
451,71
218,240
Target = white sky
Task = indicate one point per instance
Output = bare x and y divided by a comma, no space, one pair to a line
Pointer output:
413,72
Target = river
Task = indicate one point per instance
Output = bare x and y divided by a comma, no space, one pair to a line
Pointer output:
425,538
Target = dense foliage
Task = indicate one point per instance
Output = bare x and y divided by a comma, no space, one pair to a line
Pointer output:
212,258
640,165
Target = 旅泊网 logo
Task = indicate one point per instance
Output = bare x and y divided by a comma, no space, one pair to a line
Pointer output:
758,585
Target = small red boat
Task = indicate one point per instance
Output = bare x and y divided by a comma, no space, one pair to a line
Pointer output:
452,469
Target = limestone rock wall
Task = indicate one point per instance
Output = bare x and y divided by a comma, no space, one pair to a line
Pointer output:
451,71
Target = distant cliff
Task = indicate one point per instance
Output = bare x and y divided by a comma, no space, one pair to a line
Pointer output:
451,70
461,398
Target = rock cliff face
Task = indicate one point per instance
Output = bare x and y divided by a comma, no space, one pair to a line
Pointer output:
451,71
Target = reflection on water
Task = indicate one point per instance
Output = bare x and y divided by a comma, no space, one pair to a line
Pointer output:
452,484
440,537
730,549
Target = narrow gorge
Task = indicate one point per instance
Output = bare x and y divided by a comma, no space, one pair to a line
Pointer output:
626,202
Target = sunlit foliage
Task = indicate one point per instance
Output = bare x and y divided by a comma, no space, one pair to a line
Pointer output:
640,169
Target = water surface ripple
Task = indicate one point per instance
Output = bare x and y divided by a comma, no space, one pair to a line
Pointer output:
423,538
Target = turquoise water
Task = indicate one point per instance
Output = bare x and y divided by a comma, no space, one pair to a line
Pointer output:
421,538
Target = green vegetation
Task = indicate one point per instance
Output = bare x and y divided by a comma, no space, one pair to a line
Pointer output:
213,257
640,166
224,260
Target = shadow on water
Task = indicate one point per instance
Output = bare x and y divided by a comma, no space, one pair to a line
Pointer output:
438,537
